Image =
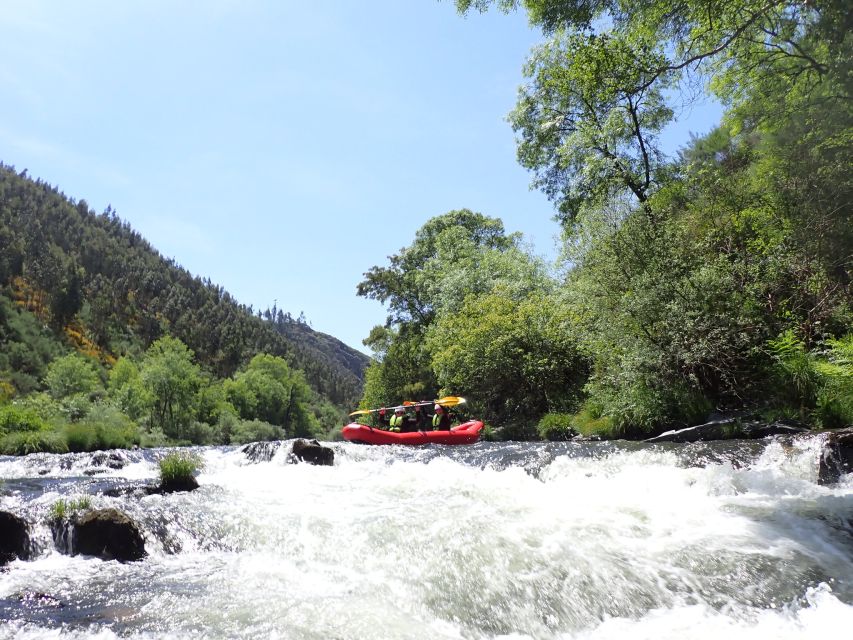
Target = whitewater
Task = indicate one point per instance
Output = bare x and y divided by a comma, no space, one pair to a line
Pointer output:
495,540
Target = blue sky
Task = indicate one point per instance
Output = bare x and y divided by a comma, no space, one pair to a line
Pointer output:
279,148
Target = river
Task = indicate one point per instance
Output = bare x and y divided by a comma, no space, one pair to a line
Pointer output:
495,540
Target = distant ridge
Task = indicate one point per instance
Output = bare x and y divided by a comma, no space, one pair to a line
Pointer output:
95,280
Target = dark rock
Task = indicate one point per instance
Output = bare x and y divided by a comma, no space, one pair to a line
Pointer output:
836,459
312,452
14,538
110,459
179,484
107,534
261,451
727,429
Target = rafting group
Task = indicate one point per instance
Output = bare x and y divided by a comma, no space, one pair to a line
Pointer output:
411,423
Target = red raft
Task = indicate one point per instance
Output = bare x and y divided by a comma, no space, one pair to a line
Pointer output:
466,433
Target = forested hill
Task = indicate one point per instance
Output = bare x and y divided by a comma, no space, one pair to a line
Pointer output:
104,289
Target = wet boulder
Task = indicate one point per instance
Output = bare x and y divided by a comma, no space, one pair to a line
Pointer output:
14,538
836,458
108,534
312,452
184,483
109,459
261,451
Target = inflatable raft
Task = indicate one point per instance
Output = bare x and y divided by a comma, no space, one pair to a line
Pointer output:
466,433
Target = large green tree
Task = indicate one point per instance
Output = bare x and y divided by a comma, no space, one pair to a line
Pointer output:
171,380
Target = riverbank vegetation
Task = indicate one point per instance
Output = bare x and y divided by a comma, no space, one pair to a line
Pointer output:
716,279
163,398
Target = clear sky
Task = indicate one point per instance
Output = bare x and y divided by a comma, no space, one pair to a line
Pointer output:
280,148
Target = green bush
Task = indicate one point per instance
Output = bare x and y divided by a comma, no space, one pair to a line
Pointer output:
642,409
556,426
22,443
75,407
105,427
179,467
80,437
14,418
202,433
589,421
256,431
833,410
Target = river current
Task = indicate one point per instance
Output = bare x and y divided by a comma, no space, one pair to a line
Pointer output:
495,540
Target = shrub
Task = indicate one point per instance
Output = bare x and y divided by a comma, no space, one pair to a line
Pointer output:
256,431
14,418
22,443
203,434
179,467
106,427
556,426
589,421
75,407
80,437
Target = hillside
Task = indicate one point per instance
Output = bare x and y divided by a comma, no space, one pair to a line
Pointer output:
101,288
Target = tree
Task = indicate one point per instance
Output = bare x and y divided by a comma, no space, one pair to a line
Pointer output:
452,256
589,117
70,375
517,359
126,389
171,380
270,391
404,286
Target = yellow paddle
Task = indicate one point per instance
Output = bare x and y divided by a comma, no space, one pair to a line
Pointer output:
447,401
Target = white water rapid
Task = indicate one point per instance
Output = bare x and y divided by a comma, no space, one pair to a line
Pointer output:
536,540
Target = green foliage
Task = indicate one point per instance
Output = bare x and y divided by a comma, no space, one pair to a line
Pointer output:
268,390
62,508
14,418
171,380
22,443
125,388
179,467
256,431
70,375
590,421
518,359
26,347
105,427
556,426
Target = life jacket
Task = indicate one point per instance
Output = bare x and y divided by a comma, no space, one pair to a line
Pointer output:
396,421
436,420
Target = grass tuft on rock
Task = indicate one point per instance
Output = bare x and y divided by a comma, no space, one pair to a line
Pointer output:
179,468
63,508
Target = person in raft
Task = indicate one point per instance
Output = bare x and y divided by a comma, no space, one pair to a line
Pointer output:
382,420
398,420
440,419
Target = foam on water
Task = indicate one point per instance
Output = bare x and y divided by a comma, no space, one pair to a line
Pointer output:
490,541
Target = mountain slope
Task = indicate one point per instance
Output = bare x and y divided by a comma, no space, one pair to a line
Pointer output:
99,283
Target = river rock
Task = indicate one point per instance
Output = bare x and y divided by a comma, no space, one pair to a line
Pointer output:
729,428
179,484
261,451
312,452
14,538
108,534
836,458
109,459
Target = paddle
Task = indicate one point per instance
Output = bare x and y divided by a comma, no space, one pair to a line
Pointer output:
447,401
